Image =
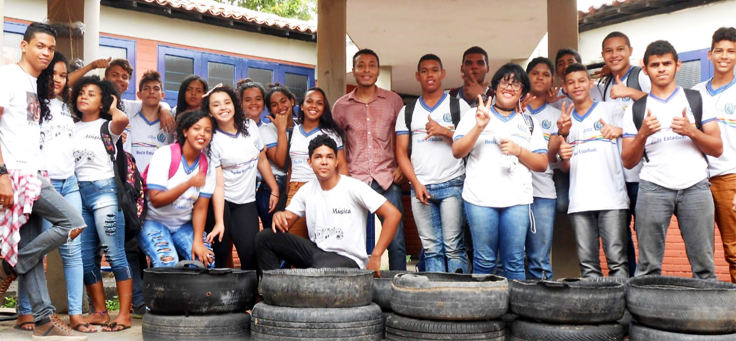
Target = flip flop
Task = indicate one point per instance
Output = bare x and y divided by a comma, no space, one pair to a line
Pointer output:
112,327
85,325
20,326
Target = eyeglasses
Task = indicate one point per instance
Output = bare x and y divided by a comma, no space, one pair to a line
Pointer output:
213,89
505,83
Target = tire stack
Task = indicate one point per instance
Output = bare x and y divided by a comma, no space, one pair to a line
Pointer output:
188,304
382,292
317,304
681,309
437,306
569,309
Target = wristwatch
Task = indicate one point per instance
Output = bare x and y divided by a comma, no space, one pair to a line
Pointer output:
3,169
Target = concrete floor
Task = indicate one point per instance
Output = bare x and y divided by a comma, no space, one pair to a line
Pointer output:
7,333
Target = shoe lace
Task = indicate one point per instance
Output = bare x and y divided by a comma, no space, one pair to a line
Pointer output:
58,323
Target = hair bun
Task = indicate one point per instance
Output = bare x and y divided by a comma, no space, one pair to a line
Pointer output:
244,81
274,85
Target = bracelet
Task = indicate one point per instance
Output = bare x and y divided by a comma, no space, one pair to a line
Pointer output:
276,195
520,150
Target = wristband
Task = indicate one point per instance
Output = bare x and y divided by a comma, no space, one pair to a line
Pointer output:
275,195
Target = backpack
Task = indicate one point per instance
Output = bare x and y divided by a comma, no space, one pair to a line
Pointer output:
174,164
454,91
454,112
632,81
693,99
129,182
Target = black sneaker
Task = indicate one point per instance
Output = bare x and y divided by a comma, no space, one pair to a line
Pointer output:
139,311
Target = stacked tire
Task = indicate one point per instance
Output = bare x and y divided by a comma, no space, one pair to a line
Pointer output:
188,304
317,304
382,292
681,309
435,306
569,309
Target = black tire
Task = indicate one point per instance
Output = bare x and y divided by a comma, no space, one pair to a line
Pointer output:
569,301
450,297
642,333
405,328
226,327
382,289
683,305
317,288
533,331
287,323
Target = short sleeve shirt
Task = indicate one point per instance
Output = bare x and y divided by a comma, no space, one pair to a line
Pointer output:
144,138
542,182
57,141
238,155
19,129
270,137
299,152
722,102
92,162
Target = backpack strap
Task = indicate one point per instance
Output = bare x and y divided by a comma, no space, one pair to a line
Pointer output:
638,109
175,159
529,122
454,91
110,148
633,80
107,140
695,100
455,110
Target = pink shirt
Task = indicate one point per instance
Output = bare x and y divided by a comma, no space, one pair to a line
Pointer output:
369,129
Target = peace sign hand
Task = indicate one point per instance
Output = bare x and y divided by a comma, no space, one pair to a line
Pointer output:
483,113
565,121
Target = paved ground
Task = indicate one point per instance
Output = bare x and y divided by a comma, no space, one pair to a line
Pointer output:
7,333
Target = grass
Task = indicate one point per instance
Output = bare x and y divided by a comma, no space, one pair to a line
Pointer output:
113,304
9,302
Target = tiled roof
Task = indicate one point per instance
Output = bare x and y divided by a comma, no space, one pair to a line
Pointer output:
231,12
617,11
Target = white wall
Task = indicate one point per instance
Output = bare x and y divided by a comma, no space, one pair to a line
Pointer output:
183,32
687,30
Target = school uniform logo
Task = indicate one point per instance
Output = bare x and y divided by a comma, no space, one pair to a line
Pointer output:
597,125
161,138
447,117
522,127
546,124
730,108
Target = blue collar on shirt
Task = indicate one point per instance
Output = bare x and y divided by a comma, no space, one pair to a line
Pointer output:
188,169
140,113
668,98
713,92
427,107
587,113
502,117
228,134
538,110
305,133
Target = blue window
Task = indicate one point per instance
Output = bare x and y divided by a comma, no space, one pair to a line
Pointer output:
120,48
695,68
13,35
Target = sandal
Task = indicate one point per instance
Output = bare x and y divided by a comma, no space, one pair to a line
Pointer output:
19,326
78,328
112,327
101,313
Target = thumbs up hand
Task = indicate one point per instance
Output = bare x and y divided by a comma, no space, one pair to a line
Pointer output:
619,89
435,129
682,125
609,131
650,125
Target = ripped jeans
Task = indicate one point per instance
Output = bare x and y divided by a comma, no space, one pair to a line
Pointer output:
106,228
166,246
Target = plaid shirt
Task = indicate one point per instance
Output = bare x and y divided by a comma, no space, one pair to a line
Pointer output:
26,189
369,132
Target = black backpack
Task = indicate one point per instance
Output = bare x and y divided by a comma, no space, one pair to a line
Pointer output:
694,99
632,81
131,193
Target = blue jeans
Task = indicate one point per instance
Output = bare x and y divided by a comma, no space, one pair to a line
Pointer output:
263,197
71,254
397,248
608,227
156,240
562,186
106,228
632,188
498,231
539,242
35,243
441,226
695,212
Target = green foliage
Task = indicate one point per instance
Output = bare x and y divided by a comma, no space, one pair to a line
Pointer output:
113,304
9,302
297,9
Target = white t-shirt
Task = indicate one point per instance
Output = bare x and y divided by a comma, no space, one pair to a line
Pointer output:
92,161
238,157
299,152
130,108
270,137
630,175
432,158
493,179
596,169
57,141
675,162
19,130
179,212
722,102
144,138
546,116
336,218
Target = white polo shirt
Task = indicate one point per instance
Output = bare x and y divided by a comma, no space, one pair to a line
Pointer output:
238,156
144,138
270,137
596,169
675,162
722,102
493,179
299,152
542,182
432,158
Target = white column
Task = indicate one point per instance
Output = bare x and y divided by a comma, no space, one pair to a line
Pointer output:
331,29
92,30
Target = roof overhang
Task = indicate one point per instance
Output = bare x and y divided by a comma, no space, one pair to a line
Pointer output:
618,11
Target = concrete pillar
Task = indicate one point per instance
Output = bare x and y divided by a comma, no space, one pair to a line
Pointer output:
562,31
91,41
385,77
331,29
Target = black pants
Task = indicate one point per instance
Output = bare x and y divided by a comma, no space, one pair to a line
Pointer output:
300,252
241,226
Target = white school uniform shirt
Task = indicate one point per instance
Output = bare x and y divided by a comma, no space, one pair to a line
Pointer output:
130,108
336,218
238,157
57,141
90,156
630,175
270,137
596,169
432,158
19,129
144,138
722,102
542,182
299,152
675,162
488,182
178,212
